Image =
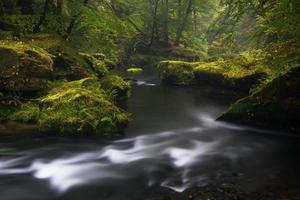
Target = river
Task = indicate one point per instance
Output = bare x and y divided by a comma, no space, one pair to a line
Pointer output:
173,143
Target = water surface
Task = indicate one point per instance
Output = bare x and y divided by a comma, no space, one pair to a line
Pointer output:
173,143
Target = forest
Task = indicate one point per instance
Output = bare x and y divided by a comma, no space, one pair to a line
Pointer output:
149,99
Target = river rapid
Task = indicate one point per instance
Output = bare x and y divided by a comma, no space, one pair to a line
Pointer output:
172,144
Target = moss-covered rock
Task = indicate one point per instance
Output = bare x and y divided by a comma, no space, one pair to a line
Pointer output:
274,105
74,108
135,70
68,63
38,67
177,72
239,73
80,107
24,67
115,85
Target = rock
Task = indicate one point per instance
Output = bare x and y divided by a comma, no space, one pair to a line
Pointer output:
74,108
68,63
274,105
177,72
232,74
24,68
81,107
135,70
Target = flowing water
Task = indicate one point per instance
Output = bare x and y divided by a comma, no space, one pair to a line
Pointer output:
173,143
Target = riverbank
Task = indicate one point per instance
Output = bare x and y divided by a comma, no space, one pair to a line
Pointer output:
265,80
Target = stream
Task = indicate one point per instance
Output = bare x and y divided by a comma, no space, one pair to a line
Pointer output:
173,143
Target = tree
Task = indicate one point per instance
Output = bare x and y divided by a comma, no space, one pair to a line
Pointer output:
42,16
182,24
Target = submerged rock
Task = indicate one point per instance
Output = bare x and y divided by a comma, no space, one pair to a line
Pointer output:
275,105
24,67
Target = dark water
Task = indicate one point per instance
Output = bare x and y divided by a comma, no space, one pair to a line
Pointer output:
172,144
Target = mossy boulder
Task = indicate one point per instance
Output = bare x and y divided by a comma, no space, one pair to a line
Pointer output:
115,85
135,70
24,67
68,63
177,72
239,73
273,105
74,108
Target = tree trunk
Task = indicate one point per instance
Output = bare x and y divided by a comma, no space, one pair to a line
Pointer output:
73,22
166,21
182,25
154,23
43,16
60,7
71,26
194,13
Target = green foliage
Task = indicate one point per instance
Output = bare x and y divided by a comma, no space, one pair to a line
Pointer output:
114,84
29,112
100,30
248,24
5,111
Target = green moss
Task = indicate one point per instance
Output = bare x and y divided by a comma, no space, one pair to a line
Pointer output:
23,67
227,73
99,63
177,72
114,84
135,70
81,107
273,104
68,63
72,108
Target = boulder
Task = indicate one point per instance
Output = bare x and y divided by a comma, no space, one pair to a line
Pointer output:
67,62
24,68
74,108
238,74
275,105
